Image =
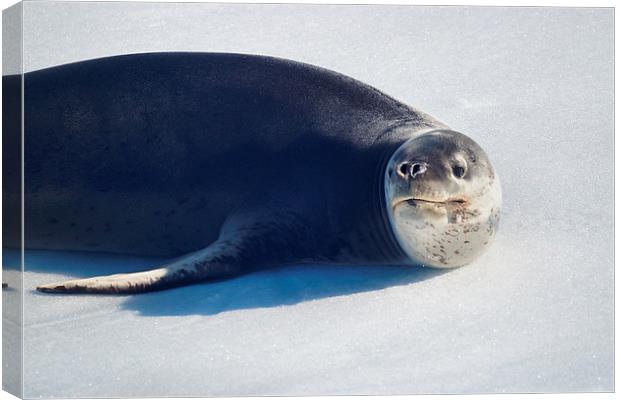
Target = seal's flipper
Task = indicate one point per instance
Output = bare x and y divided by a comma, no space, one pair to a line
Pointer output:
243,246
219,260
119,283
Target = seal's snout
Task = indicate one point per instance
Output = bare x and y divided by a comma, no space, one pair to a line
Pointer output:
412,169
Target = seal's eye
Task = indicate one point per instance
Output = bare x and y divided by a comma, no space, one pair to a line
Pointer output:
458,171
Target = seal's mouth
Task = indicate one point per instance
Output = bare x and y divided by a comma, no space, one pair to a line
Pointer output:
451,202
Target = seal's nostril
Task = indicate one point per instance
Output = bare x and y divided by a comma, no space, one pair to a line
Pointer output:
417,168
411,170
404,169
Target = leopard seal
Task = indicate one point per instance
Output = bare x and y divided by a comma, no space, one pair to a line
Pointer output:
232,163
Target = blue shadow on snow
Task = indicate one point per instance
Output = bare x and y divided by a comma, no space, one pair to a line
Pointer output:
281,286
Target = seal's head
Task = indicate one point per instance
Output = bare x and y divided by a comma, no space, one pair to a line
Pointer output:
443,198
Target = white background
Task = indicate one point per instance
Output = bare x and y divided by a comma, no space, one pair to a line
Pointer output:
532,86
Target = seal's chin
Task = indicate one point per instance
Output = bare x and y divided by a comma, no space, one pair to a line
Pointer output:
445,233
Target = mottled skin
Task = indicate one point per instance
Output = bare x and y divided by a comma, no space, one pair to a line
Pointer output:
231,162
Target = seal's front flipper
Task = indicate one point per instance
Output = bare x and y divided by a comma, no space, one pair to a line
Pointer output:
111,284
243,246
217,261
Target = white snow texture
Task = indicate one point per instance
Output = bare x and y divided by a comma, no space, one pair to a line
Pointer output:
533,86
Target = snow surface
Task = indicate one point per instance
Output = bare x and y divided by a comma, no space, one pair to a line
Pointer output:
535,314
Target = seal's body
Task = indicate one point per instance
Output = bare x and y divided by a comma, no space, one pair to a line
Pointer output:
242,161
